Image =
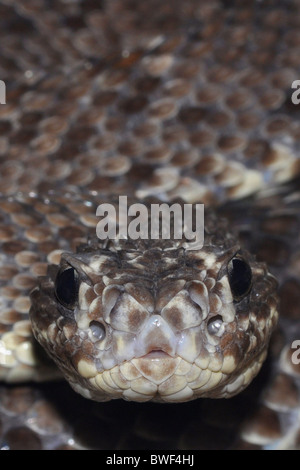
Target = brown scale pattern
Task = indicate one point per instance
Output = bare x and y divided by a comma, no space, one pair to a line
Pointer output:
188,99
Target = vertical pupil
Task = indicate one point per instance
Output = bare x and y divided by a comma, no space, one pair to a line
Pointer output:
240,277
66,286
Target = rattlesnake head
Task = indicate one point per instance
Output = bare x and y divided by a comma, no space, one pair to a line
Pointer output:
150,320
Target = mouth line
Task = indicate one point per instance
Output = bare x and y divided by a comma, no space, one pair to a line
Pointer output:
156,354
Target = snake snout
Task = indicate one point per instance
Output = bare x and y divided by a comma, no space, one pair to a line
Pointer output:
156,336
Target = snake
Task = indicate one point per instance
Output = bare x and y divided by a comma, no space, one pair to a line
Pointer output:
143,343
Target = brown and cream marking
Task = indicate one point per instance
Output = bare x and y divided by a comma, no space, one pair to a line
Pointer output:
152,321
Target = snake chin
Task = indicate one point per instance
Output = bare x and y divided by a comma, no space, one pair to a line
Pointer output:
161,378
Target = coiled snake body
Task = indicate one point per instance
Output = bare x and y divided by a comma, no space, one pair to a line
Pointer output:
159,101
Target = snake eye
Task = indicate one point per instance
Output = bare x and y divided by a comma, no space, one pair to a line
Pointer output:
66,287
240,278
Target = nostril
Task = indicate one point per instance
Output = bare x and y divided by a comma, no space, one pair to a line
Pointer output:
97,329
214,325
